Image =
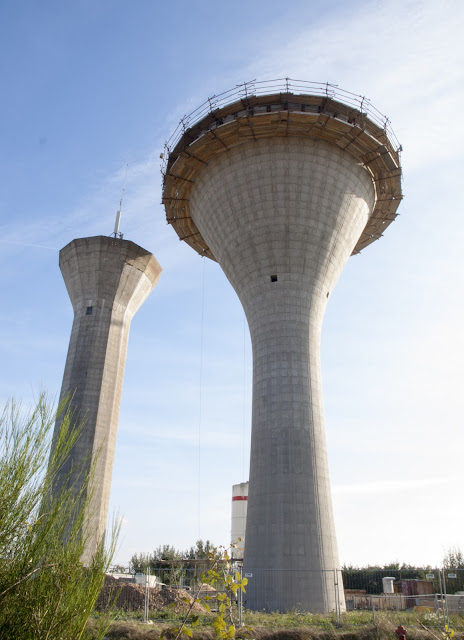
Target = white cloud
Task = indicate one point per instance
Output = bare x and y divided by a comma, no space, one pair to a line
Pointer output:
406,57
388,486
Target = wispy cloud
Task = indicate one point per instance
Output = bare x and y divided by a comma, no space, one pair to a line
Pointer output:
388,486
406,56
28,244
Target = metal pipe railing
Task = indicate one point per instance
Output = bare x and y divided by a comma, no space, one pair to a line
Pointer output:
255,88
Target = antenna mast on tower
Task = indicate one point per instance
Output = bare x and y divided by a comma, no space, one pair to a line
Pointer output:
116,233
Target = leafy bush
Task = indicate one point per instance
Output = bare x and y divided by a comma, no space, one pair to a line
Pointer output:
45,591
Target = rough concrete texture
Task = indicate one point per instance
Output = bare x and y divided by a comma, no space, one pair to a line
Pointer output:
282,216
107,279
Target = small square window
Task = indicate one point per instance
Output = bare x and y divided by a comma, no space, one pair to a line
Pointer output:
273,278
89,311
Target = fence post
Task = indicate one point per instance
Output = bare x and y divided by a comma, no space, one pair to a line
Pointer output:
337,597
240,598
373,610
446,598
440,588
147,595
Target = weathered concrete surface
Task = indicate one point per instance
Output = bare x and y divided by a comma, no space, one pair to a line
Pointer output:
280,188
107,279
282,216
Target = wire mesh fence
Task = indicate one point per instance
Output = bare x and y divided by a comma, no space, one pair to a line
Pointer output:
173,587
427,597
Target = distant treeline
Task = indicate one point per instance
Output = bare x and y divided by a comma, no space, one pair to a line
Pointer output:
173,566
370,578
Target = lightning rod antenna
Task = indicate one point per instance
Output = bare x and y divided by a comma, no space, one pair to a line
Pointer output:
116,233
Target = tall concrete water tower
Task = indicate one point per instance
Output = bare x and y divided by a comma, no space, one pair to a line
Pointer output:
107,279
280,182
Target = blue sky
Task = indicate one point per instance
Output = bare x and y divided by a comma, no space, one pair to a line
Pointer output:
91,85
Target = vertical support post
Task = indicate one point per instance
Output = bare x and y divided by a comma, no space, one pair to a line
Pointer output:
337,598
445,608
240,598
440,587
373,610
147,595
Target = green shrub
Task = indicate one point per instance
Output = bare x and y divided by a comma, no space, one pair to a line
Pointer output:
45,591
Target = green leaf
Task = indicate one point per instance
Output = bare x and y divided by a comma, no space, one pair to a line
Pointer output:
187,632
219,623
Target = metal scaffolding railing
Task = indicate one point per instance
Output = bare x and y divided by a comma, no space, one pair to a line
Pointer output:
247,90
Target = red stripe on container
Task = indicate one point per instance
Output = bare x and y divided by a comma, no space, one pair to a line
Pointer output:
239,498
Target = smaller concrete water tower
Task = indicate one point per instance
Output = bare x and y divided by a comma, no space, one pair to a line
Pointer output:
107,279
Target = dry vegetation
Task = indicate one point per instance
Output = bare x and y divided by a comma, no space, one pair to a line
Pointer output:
289,627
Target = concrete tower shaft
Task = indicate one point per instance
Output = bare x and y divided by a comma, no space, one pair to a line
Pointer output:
107,279
282,217
280,189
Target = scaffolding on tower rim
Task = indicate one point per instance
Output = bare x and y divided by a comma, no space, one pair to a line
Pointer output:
247,91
